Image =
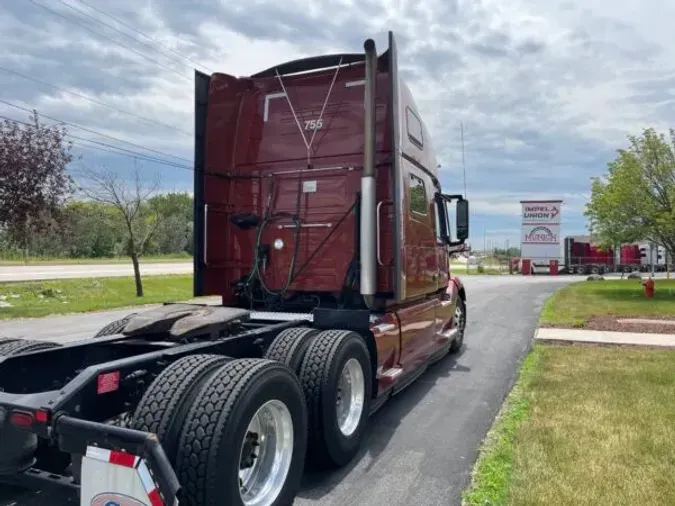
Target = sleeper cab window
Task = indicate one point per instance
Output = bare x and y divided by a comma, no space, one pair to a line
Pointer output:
438,209
414,126
418,195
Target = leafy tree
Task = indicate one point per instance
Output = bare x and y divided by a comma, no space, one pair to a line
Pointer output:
635,200
33,177
174,234
510,252
93,229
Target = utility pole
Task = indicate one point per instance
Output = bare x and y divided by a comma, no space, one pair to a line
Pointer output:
461,125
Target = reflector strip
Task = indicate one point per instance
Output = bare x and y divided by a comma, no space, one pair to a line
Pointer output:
149,484
128,460
112,457
108,382
122,459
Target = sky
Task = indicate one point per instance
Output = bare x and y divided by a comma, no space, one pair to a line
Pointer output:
547,91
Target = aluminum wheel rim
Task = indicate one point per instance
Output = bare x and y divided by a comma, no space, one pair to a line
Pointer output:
266,454
459,322
351,397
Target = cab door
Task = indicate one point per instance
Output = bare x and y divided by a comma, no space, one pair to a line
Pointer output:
446,304
418,318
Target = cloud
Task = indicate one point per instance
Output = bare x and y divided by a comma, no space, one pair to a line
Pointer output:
547,91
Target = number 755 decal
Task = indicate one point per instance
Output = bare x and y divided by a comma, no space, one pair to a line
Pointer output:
313,124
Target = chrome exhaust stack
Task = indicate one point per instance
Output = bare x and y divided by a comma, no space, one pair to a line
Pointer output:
368,234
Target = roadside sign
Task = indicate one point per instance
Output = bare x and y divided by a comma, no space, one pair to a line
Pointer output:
540,231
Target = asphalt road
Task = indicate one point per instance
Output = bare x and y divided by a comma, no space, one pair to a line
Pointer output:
42,272
421,446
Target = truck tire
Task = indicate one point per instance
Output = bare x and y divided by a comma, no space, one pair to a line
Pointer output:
336,377
460,321
165,403
220,444
290,346
114,327
24,346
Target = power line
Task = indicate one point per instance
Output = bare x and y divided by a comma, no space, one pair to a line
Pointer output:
75,125
95,101
115,150
56,13
131,27
110,146
134,154
83,13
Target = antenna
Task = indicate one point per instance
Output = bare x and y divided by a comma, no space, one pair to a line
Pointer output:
461,124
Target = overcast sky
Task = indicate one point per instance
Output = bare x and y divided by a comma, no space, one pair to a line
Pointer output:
547,90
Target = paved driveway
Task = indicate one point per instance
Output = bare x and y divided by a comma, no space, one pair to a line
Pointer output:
421,446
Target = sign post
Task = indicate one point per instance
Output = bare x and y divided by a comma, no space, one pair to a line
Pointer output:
540,231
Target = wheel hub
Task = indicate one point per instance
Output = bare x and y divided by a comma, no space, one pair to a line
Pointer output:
350,398
459,324
249,450
266,454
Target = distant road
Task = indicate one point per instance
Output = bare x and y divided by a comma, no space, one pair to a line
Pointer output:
42,272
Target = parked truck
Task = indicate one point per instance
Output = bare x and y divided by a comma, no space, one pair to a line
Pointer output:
321,224
582,256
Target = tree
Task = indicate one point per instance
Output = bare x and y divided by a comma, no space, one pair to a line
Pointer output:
175,233
93,229
635,200
141,221
34,181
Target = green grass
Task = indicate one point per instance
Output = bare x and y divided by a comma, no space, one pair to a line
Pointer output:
574,304
584,426
492,473
460,269
32,299
92,261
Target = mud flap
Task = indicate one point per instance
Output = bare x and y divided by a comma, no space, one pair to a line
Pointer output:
118,478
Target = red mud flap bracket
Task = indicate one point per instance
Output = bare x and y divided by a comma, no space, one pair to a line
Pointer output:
119,465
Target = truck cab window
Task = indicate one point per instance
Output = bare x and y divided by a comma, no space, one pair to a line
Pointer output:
418,196
414,126
438,208
442,229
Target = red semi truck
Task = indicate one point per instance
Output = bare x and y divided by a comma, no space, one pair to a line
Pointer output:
581,256
321,223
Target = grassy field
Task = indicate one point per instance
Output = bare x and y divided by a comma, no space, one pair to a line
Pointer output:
93,261
460,269
31,299
583,426
575,303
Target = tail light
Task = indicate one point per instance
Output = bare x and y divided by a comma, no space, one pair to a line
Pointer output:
21,419
26,419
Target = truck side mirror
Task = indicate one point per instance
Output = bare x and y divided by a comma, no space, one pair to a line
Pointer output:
462,218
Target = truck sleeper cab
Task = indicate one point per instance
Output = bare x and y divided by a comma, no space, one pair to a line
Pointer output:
320,222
